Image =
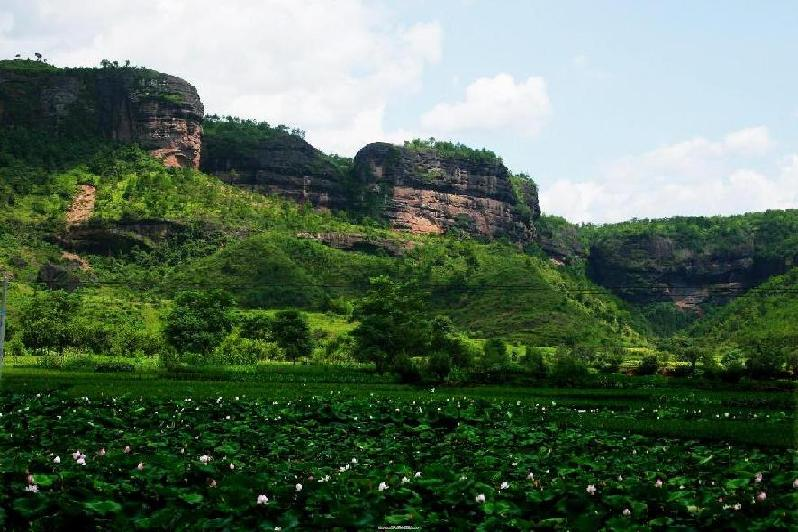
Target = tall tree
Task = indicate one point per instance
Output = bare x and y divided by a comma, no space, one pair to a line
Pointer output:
199,321
391,324
291,332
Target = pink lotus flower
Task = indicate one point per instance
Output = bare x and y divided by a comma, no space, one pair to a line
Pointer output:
33,488
76,454
761,496
81,460
591,489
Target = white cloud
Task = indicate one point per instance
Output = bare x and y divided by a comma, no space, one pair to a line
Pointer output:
330,68
694,177
750,141
497,103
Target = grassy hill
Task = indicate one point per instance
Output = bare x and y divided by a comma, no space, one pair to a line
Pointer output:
160,230
766,313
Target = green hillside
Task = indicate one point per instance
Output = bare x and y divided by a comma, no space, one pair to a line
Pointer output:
217,236
766,314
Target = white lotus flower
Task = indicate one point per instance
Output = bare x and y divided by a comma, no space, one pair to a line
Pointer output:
101,452
591,489
737,506
383,486
795,483
627,512
480,498
758,477
504,486
33,488
81,460
140,467
232,466
354,460
57,460
204,458
76,454
658,483
126,449
530,476
405,480
298,487
418,475
262,499
761,496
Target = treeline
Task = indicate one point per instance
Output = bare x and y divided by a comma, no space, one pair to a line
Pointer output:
392,329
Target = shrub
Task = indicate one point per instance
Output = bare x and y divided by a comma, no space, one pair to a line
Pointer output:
765,364
494,353
567,369
733,366
440,365
132,340
407,370
114,366
611,363
709,366
533,361
239,351
338,350
648,365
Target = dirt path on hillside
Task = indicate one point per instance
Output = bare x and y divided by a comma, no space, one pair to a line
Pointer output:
82,205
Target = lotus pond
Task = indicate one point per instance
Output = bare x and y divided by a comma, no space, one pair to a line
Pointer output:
430,460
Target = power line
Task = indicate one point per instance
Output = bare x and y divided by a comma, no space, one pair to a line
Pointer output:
601,289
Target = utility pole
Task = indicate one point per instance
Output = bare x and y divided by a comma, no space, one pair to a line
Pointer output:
3,323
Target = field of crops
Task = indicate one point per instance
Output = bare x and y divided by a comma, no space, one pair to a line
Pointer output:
420,458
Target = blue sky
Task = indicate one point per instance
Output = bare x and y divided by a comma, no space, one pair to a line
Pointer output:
618,109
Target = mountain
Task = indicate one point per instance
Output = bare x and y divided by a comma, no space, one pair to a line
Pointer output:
114,182
161,113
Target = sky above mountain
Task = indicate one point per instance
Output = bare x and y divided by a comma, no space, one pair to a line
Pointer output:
617,109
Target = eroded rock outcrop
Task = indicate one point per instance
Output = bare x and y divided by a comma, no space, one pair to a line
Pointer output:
361,242
161,113
424,191
650,268
281,164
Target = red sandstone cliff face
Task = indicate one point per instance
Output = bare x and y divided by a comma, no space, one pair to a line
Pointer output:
161,113
423,191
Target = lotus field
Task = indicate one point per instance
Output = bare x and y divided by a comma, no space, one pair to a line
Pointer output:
429,459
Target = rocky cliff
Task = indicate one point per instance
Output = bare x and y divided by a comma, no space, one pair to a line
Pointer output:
161,113
428,190
650,267
265,159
